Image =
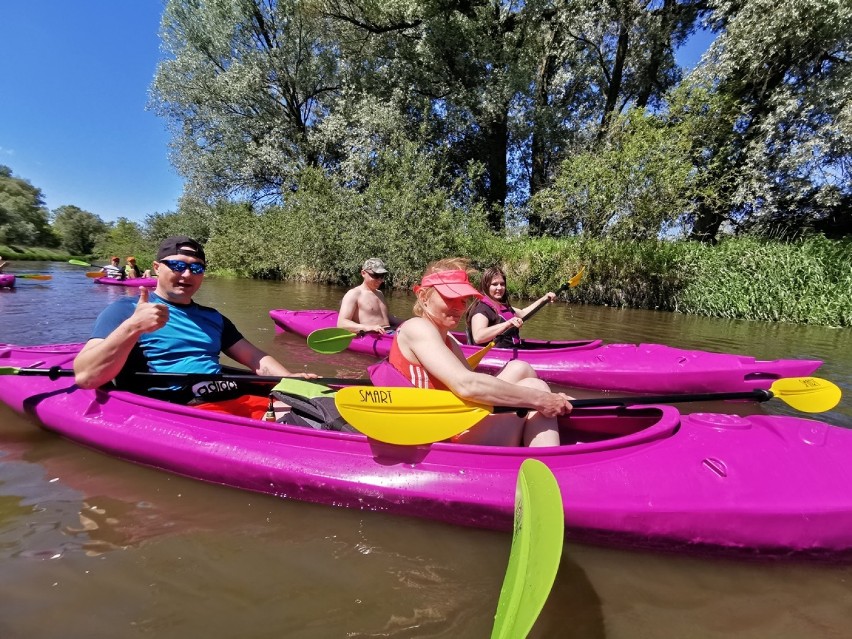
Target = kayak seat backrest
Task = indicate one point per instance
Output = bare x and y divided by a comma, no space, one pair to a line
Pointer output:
317,412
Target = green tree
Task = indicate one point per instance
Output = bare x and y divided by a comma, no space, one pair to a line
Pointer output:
194,218
23,216
637,184
79,230
257,91
244,84
782,152
125,238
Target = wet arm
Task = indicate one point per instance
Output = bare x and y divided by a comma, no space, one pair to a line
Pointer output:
426,345
482,332
259,361
547,297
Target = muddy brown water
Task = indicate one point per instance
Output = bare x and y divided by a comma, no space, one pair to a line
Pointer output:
94,547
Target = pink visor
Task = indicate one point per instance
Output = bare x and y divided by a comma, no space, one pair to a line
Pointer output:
450,284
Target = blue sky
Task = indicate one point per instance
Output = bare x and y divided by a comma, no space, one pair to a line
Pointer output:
75,76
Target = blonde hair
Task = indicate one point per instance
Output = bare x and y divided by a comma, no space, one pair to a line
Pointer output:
445,264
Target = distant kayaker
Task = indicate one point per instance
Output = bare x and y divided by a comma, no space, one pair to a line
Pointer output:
364,308
493,317
423,354
2,263
166,331
113,270
131,270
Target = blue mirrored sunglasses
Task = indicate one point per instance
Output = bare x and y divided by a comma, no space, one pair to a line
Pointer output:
179,266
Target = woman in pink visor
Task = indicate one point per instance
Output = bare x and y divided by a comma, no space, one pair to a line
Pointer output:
424,355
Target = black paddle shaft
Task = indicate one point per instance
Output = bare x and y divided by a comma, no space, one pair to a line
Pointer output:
55,373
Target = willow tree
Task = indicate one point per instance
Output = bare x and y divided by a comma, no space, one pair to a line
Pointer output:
243,84
257,90
783,153
515,86
23,215
597,61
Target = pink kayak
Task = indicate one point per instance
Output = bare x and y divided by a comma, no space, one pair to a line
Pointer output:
7,280
639,477
637,368
149,282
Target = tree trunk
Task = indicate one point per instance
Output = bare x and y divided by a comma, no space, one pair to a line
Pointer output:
539,153
614,88
495,144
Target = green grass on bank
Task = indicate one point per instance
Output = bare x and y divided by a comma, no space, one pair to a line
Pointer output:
808,282
34,253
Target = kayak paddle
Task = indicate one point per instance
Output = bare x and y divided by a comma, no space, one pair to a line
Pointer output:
94,274
79,263
329,341
473,360
536,551
33,276
416,416
56,372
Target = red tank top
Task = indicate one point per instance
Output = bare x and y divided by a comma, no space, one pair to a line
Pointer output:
414,373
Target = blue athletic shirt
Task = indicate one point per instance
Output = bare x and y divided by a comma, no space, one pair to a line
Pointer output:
190,342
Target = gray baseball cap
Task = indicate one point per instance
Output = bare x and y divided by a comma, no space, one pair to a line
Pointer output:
374,265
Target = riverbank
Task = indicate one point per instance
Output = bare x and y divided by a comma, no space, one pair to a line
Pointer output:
35,254
805,282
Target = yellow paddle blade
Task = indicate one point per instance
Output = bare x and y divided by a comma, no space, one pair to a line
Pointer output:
408,416
33,276
807,394
574,281
473,360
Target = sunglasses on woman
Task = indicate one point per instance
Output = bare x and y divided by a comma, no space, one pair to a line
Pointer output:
179,266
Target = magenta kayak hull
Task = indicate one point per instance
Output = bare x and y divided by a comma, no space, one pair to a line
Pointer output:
637,368
148,282
643,477
7,280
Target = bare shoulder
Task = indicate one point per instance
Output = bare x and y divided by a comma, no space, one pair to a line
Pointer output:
351,294
418,329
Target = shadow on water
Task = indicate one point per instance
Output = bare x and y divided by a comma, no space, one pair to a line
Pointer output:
92,546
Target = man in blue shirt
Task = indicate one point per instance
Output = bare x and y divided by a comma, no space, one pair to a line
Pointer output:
165,331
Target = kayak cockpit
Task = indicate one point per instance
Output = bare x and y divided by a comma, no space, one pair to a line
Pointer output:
588,429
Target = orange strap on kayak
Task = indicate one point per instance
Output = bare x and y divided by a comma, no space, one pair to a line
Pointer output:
252,406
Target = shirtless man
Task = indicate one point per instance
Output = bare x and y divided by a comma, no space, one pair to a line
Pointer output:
363,308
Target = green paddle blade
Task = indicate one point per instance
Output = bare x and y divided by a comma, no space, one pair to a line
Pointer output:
302,387
807,394
536,551
9,370
408,416
79,262
330,340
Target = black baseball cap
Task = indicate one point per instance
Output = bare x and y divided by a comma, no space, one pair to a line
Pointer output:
180,245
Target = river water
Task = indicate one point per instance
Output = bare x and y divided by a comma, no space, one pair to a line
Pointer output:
98,548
